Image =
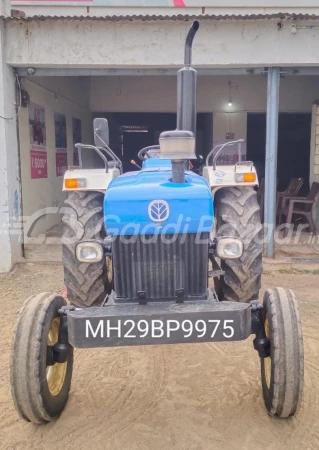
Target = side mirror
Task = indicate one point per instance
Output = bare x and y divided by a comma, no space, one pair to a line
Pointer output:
101,132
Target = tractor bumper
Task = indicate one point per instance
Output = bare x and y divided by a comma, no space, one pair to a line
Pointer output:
159,323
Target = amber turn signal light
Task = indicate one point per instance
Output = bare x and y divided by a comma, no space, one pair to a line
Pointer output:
248,177
74,183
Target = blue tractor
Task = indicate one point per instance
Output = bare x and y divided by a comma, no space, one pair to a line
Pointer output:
158,256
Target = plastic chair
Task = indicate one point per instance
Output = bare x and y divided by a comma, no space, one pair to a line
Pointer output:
292,190
301,205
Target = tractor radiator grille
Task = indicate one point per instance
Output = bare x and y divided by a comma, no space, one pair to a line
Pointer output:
161,270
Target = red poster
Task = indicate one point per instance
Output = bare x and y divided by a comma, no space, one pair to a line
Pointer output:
38,153
39,164
61,163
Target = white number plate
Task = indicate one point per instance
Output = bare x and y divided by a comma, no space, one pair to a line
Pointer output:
200,329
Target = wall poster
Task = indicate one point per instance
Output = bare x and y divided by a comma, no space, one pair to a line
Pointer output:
38,150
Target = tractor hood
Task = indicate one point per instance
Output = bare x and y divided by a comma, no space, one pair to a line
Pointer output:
148,202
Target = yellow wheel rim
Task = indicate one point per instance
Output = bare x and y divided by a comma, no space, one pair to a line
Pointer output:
267,361
56,373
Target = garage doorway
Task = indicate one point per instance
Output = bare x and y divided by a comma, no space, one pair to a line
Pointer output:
129,132
294,133
134,138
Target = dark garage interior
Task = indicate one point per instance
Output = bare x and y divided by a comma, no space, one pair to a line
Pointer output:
129,132
293,146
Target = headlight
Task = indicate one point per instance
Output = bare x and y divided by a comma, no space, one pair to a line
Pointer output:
229,247
89,252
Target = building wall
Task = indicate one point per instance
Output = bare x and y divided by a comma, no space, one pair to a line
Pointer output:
67,96
149,44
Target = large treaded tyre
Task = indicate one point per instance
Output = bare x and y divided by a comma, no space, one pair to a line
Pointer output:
238,215
282,372
87,284
39,391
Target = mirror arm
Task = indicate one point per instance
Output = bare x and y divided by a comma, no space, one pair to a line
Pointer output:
211,153
112,154
109,151
222,146
80,157
239,141
219,152
98,151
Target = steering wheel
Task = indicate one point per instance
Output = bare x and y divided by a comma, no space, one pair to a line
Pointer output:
149,152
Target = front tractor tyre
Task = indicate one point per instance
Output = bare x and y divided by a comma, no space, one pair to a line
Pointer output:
87,283
238,215
282,372
40,388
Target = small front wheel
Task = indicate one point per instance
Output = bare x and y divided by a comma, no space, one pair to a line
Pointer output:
40,388
282,372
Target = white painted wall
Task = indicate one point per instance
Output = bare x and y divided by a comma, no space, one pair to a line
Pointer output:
229,122
95,44
72,100
158,93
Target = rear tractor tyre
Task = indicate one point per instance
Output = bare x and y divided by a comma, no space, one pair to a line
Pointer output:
39,390
238,215
282,372
87,284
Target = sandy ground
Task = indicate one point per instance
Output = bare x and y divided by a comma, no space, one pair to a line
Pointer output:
201,396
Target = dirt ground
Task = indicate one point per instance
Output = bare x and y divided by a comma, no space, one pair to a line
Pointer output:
201,396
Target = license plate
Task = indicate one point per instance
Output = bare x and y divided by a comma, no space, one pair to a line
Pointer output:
159,323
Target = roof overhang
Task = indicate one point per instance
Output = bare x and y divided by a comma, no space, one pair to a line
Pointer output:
21,15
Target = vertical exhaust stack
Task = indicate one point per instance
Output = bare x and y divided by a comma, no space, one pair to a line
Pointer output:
187,87
179,145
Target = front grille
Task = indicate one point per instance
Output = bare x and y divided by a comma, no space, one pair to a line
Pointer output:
160,269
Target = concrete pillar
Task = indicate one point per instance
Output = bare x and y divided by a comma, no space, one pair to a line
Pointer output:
9,164
271,157
314,156
5,7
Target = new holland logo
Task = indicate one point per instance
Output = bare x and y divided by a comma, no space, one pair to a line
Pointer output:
158,210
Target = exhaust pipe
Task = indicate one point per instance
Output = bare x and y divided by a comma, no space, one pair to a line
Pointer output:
187,87
189,43
179,145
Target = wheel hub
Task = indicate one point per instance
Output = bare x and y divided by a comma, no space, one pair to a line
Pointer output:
267,361
55,373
